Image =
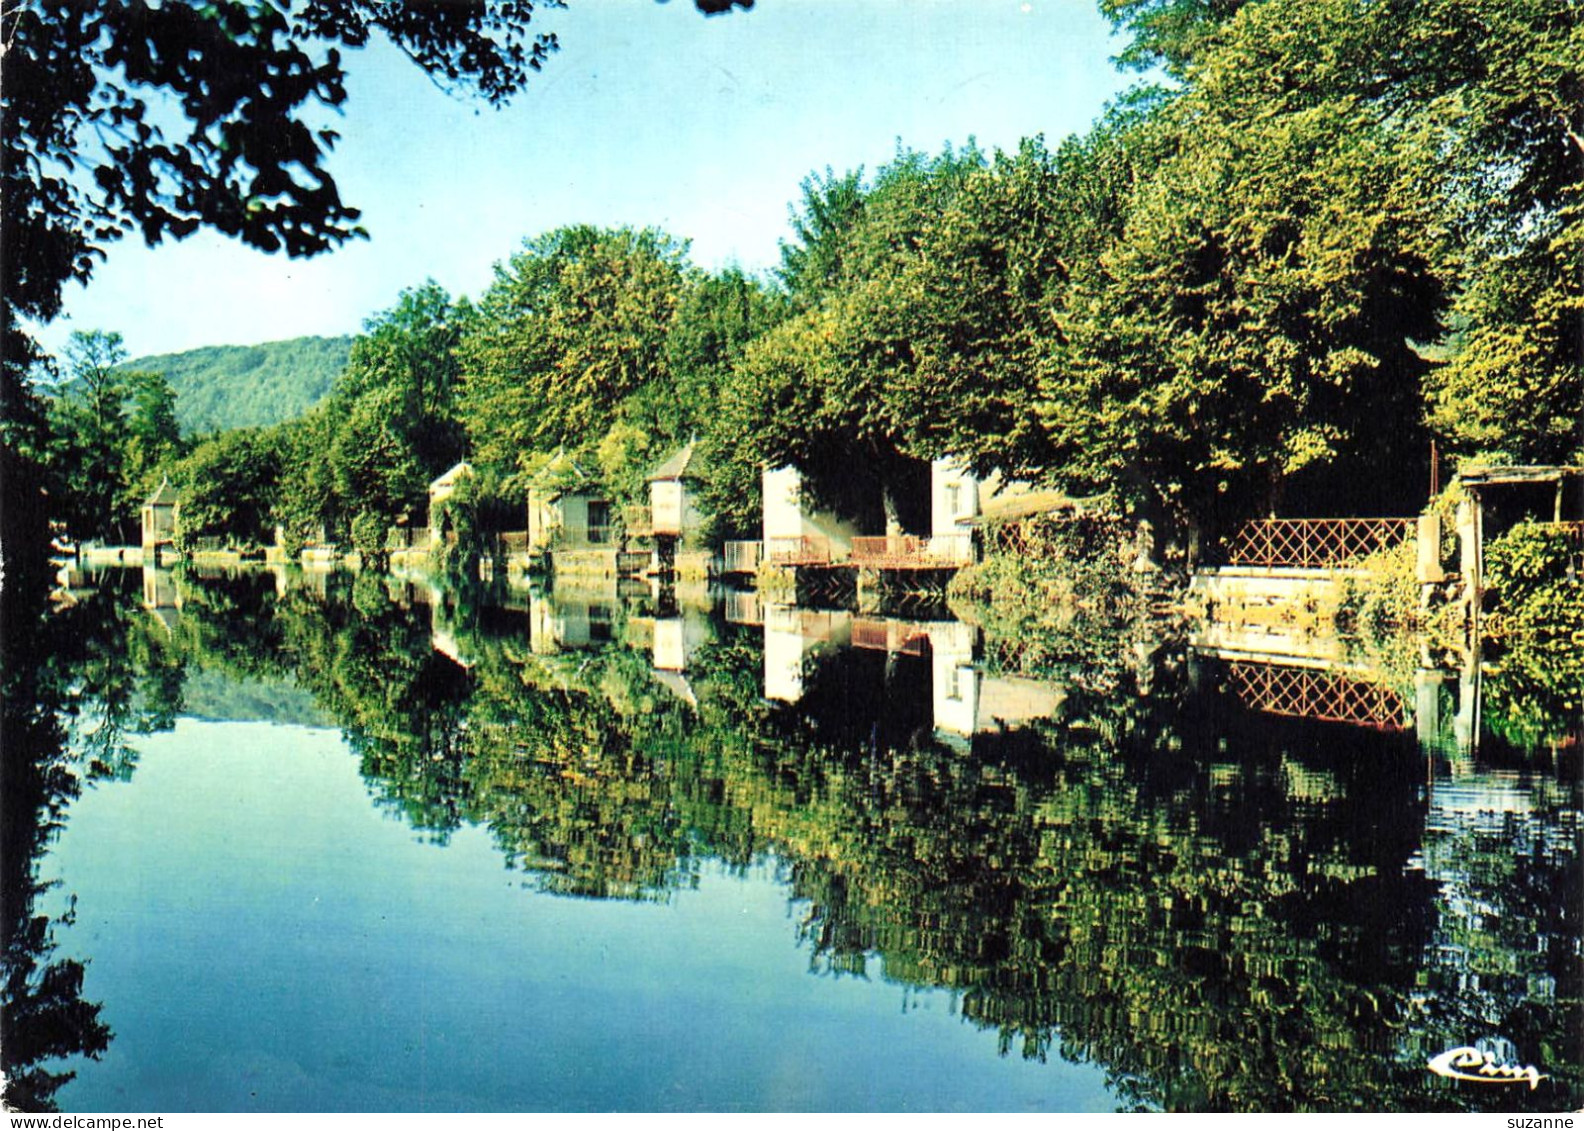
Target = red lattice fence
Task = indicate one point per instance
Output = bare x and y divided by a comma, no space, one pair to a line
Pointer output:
1316,543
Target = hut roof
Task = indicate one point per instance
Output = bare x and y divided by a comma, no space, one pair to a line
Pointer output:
1006,508
683,464
165,496
450,478
1537,473
560,476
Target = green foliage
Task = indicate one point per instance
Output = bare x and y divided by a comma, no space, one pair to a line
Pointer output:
89,428
461,518
154,436
228,485
1256,319
306,507
365,460
572,341
1534,617
1062,605
221,387
812,262
1506,89
1384,593
1167,33
1533,584
833,391
1533,696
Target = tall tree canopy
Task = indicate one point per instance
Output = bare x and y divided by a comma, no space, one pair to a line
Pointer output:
573,328
162,118
829,391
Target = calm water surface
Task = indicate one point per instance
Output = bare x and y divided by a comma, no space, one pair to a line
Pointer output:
351,844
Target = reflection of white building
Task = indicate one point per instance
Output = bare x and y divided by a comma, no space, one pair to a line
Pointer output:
161,597
571,617
791,636
953,678
676,640
969,702
964,701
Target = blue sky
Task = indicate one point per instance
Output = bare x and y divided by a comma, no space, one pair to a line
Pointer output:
650,114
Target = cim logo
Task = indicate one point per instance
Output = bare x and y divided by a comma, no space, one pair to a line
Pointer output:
1468,1063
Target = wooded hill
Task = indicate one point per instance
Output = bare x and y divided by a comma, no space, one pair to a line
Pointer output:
222,387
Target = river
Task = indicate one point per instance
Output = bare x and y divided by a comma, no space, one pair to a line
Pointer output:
346,843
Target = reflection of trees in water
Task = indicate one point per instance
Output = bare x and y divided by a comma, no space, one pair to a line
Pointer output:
79,682
1226,912
1504,963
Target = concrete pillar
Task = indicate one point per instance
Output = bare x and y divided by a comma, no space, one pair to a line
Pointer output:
1465,726
1429,550
1427,708
1468,546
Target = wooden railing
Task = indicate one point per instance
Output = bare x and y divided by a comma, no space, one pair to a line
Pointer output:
742,557
908,551
889,549
410,538
1315,543
889,636
806,550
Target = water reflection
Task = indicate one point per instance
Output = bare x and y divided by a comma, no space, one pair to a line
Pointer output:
1189,872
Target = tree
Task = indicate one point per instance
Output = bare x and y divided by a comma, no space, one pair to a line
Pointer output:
718,318
153,436
1250,338
393,416
307,504
569,336
89,431
812,262
1501,79
228,487
1167,33
93,151
818,390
